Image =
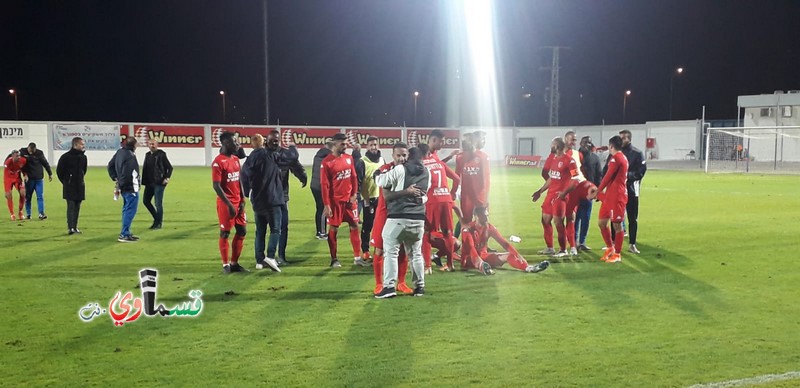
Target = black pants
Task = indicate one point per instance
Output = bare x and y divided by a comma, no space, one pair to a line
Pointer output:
284,231
158,211
320,219
366,227
632,208
73,211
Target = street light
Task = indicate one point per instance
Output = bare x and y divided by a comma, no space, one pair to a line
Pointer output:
224,113
678,71
16,103
416,94
625,104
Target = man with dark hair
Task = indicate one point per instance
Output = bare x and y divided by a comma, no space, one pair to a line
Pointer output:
34,166
156,173
124,169
339,184
613,194
13,177
70,170
439,208
405,187
547,207
316,189
225,171
563,180
287,159
592,172
472,166
372,161
637,167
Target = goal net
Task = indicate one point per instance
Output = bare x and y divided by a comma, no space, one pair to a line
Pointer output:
753,149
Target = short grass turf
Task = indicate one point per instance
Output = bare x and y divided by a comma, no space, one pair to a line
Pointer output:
712,297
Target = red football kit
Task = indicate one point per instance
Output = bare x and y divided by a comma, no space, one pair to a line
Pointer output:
225,170
562,170
339,183
616,192
439,208
473,168
546,167
475,238
12,174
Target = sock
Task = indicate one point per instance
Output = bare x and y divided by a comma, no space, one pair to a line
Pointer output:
548,234
448,249
21,204
562,239
332,242
236,250
618,238
377,267
571,233
516,261
223,249
10,202
426,249
606,233
402,267
355,241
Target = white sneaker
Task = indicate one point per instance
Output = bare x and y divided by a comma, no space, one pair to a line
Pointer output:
268,263
604,249
361,262
573,251
547,252
538,267
561,254
633,249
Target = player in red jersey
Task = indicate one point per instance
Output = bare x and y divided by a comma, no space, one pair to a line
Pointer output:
574,200
399,156
613,194
339,185
439,208
230,202
472,166
13,177
563,180
547,209
474,253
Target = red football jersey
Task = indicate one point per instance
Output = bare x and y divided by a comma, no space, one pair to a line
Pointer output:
582,190
473,168
439,172
546,167
481,233
338,178
616,178
225,170
12,170
380,208
562,170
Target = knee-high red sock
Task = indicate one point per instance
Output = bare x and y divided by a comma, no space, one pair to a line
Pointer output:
402,267
571,233
236,249
548,234
606,233
10,202
426,249
562,239
355,241
223,249
377,268
332,246
618,238
448,249
21,203
516,261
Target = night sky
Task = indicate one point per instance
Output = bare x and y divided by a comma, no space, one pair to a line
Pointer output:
357,62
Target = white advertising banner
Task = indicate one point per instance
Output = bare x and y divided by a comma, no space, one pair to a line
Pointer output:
97,137
14,131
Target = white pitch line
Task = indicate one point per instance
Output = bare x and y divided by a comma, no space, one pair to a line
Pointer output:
763,379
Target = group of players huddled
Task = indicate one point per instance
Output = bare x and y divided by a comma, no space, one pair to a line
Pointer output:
345,189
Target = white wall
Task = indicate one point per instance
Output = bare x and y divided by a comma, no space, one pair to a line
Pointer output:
31,133
674,139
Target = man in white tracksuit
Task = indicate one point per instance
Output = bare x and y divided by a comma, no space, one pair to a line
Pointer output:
404,188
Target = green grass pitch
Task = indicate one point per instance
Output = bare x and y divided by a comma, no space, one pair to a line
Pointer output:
712,297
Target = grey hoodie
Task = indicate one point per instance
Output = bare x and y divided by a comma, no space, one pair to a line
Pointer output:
400,178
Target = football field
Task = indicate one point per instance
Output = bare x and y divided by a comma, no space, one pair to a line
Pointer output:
713,297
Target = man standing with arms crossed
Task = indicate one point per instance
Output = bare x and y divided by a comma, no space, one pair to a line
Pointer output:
34,166
613,194
156,173
637,167
339,185
405,187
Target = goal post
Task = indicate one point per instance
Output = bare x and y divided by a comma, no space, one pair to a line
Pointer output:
761,149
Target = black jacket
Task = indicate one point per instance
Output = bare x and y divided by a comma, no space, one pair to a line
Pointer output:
261,177
361,168
70,170
156,168
124,169
35,164
321,154
296,168
637,166
591,167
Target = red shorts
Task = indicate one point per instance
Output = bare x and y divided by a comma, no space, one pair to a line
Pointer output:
10,185
377,231
226,222
613,210
439,216
559,206
343,211
547,204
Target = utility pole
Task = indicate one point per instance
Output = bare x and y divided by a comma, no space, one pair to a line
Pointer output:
266,64
555,96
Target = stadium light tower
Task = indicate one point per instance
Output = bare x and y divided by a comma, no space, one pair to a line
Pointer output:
16,103
625,104
416,94
224,113
677,72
